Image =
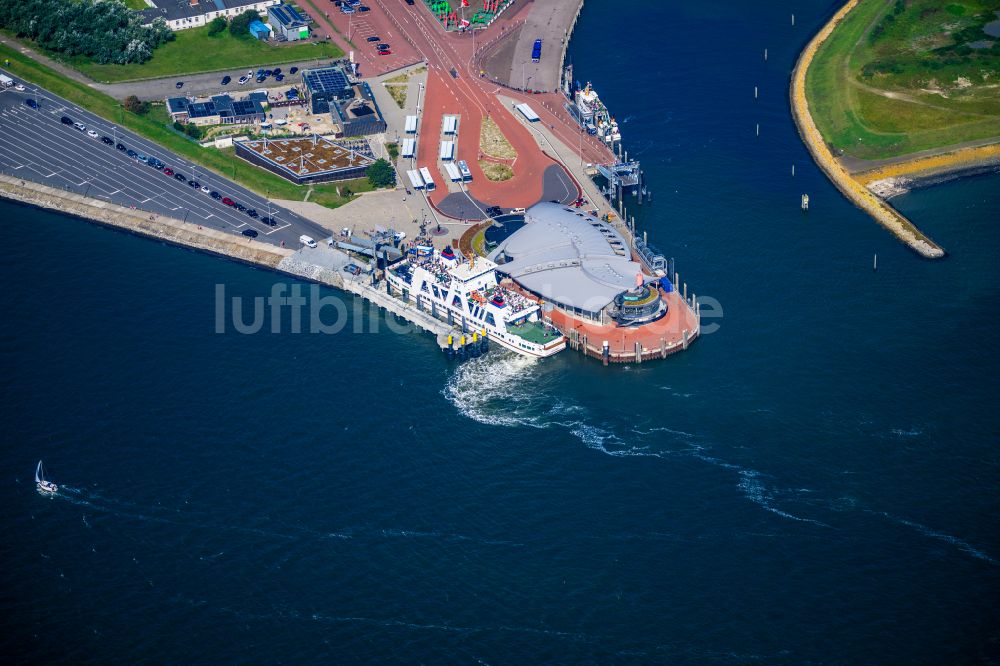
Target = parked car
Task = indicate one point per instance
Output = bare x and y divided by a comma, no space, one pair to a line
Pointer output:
228,201
250,233
240,207
293,70
226,79
279,77
19,87
179,85
277,70
384,52
383,47
215,195
168,172
92,134
181,177
120,146
253,213
373,38
205,190
353,269
107,140
131,153
195,184
244,79
80,126
362,9
31,103
66,120
307,241
269,221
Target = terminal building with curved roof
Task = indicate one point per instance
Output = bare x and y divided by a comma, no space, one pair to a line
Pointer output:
580,264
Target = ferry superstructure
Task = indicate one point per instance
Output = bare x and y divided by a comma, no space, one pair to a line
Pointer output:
593,116
467,294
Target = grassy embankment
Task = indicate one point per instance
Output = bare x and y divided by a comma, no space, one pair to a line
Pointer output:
397,86
153,128
494,144
898,76
194,51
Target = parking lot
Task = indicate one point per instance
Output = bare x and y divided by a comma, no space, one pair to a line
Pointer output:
37,146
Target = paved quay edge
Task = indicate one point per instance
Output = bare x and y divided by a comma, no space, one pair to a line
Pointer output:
857,193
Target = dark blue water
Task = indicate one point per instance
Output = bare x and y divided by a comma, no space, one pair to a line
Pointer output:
815,482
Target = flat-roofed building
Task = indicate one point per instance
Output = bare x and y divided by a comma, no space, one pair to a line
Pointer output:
217,110
312,159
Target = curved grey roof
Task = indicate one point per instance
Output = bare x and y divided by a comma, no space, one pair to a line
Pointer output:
568,257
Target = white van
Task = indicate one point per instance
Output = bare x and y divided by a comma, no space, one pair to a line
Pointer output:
307,241
517,211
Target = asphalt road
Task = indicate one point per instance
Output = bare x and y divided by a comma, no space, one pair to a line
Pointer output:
36,146
198,85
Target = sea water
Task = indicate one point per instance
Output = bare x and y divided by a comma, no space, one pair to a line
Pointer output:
815,481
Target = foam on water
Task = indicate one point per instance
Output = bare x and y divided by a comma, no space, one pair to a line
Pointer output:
940,536
509,390
757,493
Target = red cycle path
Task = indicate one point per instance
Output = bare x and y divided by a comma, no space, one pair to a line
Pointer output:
414,33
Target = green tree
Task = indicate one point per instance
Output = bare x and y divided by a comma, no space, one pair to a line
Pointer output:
134,105
217,25
240,26
381,174
192,131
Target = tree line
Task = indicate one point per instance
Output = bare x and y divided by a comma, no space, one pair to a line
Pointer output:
106,32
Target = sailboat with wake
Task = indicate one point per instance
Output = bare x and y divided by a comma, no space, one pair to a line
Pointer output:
43,485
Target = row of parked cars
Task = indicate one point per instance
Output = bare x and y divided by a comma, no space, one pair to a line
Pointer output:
261,75
167,171
351,6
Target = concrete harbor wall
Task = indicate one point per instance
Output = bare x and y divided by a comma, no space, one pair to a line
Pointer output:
883,213
143,223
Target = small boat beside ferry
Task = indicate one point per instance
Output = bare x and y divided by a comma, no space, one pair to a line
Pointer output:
44,486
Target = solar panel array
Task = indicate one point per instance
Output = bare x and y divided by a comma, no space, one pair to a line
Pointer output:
327,80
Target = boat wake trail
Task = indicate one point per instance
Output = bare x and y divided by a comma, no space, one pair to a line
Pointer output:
755,491
940,536
511,390
191,518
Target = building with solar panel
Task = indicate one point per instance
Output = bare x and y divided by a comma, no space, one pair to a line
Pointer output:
352,107
219,110
288,23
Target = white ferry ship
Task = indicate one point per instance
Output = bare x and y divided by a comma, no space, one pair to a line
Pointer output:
468,295
591,113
